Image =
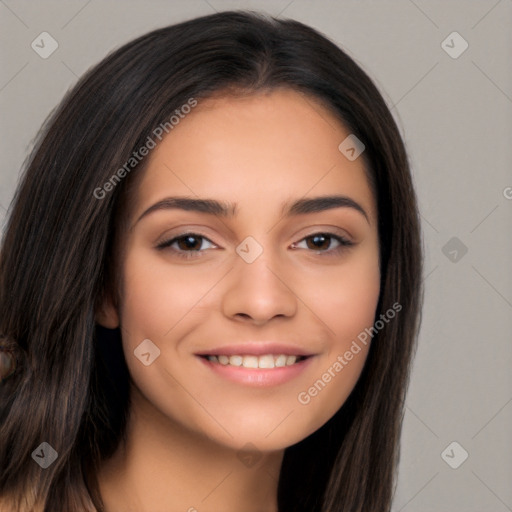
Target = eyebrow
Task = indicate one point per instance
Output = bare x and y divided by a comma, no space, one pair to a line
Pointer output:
228,210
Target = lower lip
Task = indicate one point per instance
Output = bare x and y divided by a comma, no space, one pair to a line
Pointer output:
259,377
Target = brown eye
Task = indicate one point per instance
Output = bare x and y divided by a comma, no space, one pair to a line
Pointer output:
189,242
323,242
186,245
319,242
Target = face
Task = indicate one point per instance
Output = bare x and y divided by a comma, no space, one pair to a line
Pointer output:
250,306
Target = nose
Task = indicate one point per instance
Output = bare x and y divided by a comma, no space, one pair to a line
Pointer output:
258,292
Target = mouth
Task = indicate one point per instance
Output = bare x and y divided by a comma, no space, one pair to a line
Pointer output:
255,362
261,371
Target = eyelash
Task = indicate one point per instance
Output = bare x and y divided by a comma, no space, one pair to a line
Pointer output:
166,244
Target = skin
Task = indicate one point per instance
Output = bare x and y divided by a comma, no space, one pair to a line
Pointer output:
188,424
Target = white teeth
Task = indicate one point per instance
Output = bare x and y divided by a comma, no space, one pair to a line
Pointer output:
265,361
250,362
236,360
291,360
280,361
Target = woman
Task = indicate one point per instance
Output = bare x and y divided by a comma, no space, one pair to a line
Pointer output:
210,282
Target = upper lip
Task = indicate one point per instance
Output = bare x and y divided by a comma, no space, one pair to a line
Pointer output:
256,348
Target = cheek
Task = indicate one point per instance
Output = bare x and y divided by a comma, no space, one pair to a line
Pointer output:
158,297
160,304
352,306
344,298
346,304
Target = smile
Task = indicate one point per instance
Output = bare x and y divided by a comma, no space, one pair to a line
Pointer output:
258,371
265,361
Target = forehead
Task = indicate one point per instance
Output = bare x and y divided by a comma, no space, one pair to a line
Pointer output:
257,150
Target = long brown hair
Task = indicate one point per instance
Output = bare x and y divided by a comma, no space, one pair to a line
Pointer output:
57,261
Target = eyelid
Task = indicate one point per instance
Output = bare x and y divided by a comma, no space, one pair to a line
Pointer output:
326,229
166,242
183,230
344,244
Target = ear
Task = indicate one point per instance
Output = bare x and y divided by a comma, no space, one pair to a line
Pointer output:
107,314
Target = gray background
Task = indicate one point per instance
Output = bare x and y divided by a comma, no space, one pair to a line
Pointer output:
455,115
